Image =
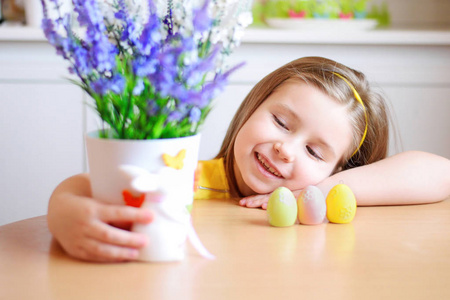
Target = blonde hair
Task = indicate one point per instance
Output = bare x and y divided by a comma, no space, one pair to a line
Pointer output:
320,73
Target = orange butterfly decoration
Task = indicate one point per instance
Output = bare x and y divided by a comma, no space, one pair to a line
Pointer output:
175,162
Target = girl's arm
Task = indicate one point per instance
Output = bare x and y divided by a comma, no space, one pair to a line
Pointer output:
82,225
411,177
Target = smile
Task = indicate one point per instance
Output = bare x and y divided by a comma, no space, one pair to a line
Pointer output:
267,166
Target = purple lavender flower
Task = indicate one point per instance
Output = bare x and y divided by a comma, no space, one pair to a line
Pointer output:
130,31
194,114
83,66
144,66
211,89
102,55
100,86
102,52
89,13
181,93
166,73
152,107
49,31
60,43
129,34
194,73
175,116
174,65
103,85
139,87
117,83
168,21
163,82
150,37
202,21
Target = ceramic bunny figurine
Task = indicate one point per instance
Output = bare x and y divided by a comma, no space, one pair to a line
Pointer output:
172,225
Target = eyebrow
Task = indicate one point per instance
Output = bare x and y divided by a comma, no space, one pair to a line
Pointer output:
291,114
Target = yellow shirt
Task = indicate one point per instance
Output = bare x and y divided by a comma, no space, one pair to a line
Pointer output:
212,182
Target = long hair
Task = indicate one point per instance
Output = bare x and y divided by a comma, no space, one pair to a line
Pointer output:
321,73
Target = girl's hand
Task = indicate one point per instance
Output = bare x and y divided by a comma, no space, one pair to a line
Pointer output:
255,201
83,227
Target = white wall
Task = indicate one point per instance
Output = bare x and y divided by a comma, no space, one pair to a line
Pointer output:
39,130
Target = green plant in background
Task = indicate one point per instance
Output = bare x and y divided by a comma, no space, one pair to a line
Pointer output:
258,14
360,9
277,9
302,8
328,9
346,7
360,5
381,14
289,8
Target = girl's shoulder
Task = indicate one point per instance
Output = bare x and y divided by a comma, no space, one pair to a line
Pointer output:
211,181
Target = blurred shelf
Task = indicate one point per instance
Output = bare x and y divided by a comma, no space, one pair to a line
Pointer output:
407,36
14,32
392,36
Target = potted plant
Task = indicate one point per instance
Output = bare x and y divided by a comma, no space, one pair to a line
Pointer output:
152,69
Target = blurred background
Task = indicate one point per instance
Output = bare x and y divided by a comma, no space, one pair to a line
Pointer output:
403,46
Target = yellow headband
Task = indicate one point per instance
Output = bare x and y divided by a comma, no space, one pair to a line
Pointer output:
358,98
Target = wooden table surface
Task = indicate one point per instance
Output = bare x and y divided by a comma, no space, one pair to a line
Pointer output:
400,252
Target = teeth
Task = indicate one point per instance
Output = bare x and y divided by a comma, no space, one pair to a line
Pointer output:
267,167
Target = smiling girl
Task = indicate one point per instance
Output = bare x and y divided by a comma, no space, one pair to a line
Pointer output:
311,122
291,141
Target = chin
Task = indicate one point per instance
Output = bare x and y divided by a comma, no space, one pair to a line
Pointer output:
267,190
261,190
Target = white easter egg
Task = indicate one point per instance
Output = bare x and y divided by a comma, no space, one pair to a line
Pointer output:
311,206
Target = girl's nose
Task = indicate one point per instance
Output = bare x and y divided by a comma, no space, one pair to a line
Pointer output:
283,152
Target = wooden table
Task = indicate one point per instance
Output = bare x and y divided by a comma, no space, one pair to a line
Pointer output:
398,252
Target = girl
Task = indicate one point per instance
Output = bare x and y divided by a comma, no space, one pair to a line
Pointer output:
311,122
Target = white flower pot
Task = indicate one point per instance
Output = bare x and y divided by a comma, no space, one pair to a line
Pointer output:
158,172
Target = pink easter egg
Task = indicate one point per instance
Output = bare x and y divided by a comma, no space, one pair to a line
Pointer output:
311,206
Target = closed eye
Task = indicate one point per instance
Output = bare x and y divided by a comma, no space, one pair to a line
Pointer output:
279,122
313,153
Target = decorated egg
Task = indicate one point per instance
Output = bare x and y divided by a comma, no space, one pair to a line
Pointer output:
311,206
282,208
341,204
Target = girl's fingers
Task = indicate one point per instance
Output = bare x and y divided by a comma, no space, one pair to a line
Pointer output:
94,250
255,201
105,243
111,235
123,214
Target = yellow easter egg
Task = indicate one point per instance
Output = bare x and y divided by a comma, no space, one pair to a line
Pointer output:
341,204
282,208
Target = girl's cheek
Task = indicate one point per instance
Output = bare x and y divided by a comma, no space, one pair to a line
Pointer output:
305,174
